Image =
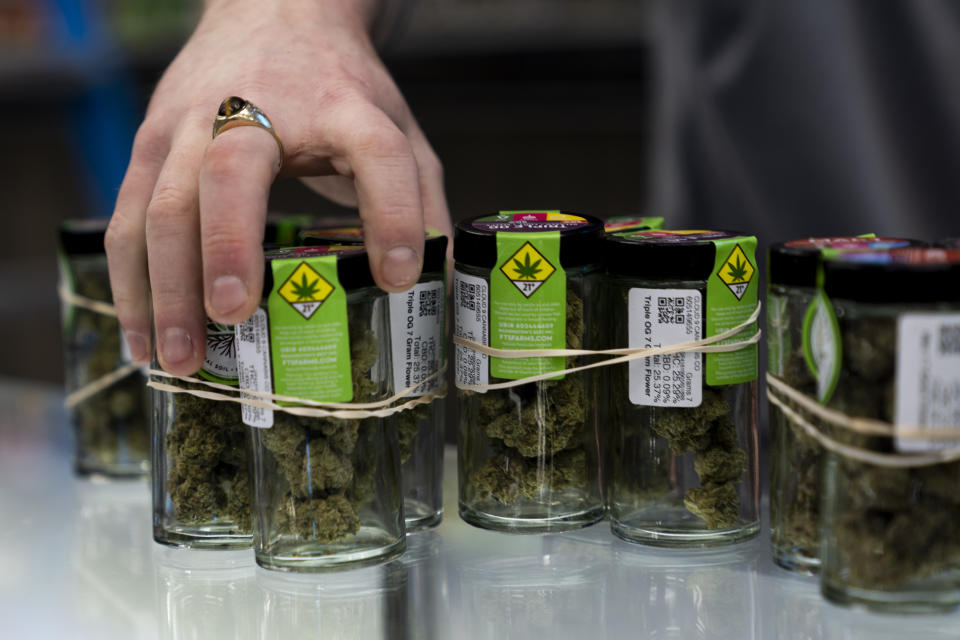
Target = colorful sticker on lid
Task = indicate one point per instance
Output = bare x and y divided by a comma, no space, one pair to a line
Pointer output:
731,299
529,221
528,298
865,242
680,237
905,256
311,252
336,235
621,224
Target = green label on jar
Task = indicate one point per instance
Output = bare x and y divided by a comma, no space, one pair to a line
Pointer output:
528,299
309,337
731,298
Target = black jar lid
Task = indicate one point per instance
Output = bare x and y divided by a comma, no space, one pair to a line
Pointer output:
353,266
794,263
434,246
668,255
914,274
83,237
475,239
948,243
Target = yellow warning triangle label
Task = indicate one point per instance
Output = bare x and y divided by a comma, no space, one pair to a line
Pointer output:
527,269
737,272
305,290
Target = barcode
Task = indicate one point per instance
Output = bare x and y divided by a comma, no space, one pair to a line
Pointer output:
468,296
428,302
950,339
670,310
246,331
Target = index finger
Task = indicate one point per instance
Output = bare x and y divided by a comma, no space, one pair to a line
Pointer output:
235,178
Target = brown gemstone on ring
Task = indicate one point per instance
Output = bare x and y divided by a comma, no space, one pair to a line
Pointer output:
231,106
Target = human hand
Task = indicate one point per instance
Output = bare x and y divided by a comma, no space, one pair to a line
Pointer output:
190,213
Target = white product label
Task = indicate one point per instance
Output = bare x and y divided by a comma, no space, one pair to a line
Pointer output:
253,366
660,318
416,336
928,378
220,359
471,320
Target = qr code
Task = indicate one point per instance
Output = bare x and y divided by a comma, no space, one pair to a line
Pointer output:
428,302
468,296
246,332
670,310
950,339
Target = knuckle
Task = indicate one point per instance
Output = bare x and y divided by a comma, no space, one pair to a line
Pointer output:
222,161
117,236
430,165
170,202
381,140
335,94
227,241
150,142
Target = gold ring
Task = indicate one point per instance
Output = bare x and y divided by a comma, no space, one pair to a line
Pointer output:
237,112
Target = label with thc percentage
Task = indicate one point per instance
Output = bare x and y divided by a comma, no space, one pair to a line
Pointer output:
928,378
661,318
471,320
416,336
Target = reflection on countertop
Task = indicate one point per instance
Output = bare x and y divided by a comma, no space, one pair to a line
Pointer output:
77,561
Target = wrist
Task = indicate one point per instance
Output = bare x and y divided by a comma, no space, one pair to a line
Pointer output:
354,14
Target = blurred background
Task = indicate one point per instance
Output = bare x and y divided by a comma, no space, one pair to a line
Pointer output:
775,117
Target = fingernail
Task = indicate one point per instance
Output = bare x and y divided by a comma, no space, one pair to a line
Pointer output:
175,345
137,345
400,267
227,294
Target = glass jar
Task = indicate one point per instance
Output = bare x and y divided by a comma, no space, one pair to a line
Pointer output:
794,456
112,424
891,509
201,457
326,490
417,320
528,456
682,428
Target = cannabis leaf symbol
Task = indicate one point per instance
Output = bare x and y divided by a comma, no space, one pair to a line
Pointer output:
738,271
525,270
305,290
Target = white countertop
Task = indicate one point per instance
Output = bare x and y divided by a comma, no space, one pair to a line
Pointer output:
77,561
